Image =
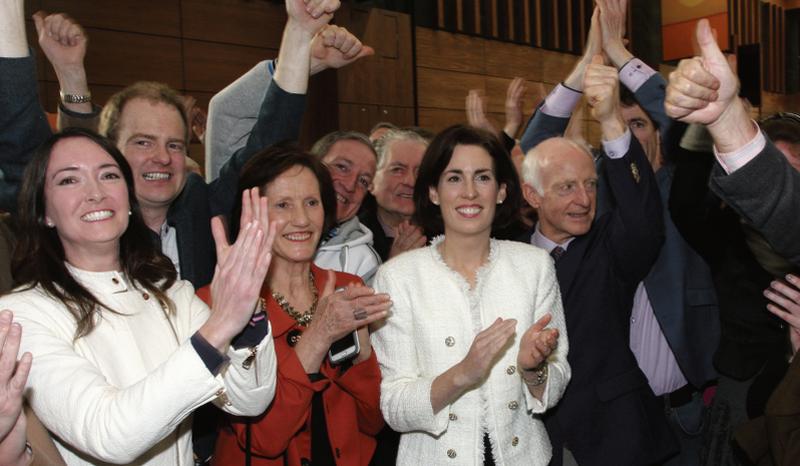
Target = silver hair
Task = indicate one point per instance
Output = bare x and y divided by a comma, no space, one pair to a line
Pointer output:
384,144
532,165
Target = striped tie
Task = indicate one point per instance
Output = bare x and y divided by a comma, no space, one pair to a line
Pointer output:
557,252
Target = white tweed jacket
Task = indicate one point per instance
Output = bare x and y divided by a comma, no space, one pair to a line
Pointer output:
433,322
124,393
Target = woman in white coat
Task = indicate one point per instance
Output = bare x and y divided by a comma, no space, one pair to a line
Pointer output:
123,352
475,347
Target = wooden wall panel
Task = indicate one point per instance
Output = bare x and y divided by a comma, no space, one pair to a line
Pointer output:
401,116
119,58
211,66
258,24
387,77
505,59
445,89
436,119
455,52
358,117
160,17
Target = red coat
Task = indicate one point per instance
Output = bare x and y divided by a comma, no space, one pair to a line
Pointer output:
282,434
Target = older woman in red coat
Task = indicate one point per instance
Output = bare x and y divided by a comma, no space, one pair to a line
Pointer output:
323,413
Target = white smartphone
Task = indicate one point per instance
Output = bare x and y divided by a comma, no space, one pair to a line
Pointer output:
344,348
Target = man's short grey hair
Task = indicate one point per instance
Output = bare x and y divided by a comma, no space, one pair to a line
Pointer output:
384,144
532,165
324,144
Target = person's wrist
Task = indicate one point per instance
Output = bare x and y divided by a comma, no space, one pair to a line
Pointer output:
733,128
617,53
299,29
511,130
612,126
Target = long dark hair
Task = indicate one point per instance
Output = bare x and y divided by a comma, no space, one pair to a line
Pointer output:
39,256
506,222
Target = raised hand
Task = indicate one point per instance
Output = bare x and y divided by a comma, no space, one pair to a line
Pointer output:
485,349
335,47
62,39
537,344
601,89
514,95
339,313
311,15
785,304
240,272
476,111
13,375
612,26
703,87
592,47
407,237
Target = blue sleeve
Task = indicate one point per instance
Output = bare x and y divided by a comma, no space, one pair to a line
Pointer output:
279,119
23,125
540,127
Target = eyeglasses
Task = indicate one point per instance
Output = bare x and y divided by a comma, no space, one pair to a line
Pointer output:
783,116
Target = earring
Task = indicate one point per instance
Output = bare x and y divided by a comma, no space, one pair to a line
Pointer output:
49,223
500,201
130,213
435,202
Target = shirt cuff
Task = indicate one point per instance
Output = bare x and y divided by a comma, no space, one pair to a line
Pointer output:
86,116
508,141
635,73
617,148
255,331
213,359
732,161
561,101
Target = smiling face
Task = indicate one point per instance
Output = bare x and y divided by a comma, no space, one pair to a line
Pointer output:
86,199
152,138
352,168
295,205
393,187
566,206
468,193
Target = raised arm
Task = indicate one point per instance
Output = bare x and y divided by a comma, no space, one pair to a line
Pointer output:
233,111
64,44
647,85
23,125
751,174
282,110
552,117
638,225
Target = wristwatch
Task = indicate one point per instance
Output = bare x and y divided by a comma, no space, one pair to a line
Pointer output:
75,98
541,372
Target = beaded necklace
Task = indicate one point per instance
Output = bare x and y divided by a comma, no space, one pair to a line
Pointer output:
305,318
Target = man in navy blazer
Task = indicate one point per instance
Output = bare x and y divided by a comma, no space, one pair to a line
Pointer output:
674,322
608,415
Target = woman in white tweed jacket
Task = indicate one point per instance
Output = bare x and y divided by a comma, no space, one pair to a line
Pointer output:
475,348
